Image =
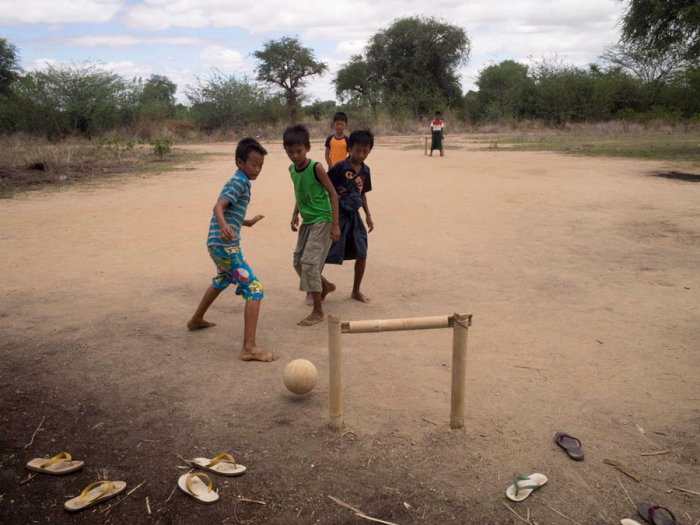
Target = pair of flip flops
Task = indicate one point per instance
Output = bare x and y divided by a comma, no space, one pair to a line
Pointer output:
656,515
63,463
198,484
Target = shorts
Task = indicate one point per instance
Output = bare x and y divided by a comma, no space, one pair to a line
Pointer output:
233,268
310,254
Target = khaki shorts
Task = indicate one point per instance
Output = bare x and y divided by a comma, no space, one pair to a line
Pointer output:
310,254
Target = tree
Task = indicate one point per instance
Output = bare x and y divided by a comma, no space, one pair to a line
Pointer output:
414,64
646,62
506,92
286,64
354,82
664,25
9,65
157,98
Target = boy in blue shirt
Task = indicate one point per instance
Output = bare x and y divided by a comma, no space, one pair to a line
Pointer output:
352,180
224,248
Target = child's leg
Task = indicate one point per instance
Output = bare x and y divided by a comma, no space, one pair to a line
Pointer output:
360,265
197,322
316,315
250,351
309,264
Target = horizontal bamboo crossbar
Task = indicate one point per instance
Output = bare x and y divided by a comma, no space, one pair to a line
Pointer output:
393,325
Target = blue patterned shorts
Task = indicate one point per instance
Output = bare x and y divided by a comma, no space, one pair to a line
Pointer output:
233,268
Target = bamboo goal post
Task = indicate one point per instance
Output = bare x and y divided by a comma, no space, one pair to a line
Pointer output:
459,323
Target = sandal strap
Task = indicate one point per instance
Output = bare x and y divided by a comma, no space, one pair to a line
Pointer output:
222,458
61,456
518,487
197,474
83,494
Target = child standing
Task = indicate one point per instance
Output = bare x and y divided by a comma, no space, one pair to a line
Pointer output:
223,243
337,143
437,131
317,203
351,179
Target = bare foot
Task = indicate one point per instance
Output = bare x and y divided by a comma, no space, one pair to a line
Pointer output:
330,287
309,299
359,296
199,325
312,319
257,354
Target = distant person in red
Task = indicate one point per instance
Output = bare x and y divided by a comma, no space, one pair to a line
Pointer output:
437,129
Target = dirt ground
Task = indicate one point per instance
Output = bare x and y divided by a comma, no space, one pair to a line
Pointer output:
581,273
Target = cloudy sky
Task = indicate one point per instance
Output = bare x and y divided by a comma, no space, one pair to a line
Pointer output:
184,39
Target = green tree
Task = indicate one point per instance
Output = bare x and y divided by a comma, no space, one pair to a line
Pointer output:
414,63
646,62
9,65
354,83
157,98
506,92
664,25
286,64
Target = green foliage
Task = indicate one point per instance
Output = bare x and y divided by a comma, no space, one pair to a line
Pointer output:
115,145
664,25
228,103
355,84
161,146
413,65
156,99
319,110
9,65
286,64
505,92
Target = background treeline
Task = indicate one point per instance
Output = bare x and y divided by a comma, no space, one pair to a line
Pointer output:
406,72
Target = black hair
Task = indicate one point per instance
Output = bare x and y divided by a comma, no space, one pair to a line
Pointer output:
295,135
342,116
362,137
438,113
245,146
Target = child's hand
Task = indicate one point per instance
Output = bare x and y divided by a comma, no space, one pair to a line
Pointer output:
370,222
335,232
227,233
295,222
257,218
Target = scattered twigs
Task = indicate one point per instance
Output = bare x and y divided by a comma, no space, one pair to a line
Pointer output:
31,477
562,515
171,495
626,493
148,506
35,433
235,510
109,509
659,453
526,520
358,512
186,461
98,425
686,491
428,421
624,469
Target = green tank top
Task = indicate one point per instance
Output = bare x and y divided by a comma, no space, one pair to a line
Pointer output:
312,198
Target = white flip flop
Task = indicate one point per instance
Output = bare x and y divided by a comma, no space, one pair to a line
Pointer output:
58,465
192,485
95,493
523,486
223,465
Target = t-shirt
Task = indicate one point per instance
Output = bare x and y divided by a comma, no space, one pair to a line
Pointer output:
338,148
346,181
312,198
437,125
237,192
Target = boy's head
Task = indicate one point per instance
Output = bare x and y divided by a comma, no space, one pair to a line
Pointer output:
296,143
250,156
360,143
438,115
340,123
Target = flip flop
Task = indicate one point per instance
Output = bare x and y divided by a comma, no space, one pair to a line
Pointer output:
523,486
571,444
627,521
192,485
223,465
656,515
95,493
58,465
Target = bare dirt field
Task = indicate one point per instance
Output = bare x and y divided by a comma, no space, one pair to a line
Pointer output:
582,274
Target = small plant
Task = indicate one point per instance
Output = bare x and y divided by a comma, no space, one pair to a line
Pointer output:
161,147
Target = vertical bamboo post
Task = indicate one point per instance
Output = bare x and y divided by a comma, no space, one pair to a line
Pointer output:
425,147
334,368
459,369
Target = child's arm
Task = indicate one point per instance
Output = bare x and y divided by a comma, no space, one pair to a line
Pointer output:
368,215
322,177
328,156
295,218
226,231
251,222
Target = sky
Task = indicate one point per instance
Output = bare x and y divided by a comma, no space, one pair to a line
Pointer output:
188,39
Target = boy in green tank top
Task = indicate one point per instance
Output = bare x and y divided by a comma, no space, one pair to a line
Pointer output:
317,203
